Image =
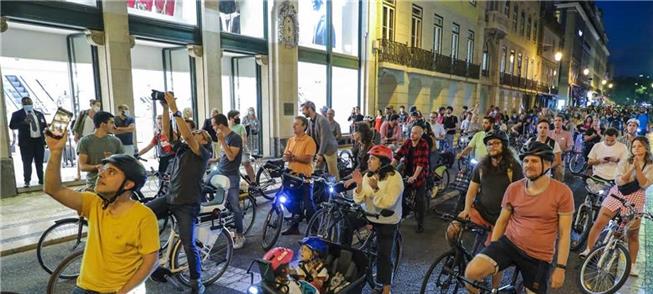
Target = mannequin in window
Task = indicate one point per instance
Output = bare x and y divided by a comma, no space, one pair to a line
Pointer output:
229,16
319,32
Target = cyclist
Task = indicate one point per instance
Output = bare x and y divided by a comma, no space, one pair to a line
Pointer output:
123,235
536,214
490,179
605,155
543,137
634,174
564,140
631,132
185,194
381,188
299,154
476,143
415,152
327,146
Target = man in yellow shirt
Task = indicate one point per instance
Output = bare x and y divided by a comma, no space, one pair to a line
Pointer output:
123,236
299,154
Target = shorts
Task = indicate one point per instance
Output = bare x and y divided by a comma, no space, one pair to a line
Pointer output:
476,218
638,198
503,254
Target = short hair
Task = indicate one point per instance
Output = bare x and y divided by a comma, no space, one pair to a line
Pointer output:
101,117
543,121
123,107
311,105
441,109
221,119
232,113
449,108
611,132
304,121
22,101
394,117
92,101
561,116
489,118
191,124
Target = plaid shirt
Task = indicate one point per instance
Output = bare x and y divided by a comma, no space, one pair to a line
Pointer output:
415,156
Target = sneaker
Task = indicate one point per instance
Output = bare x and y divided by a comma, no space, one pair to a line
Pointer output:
634,272
584,254
239,242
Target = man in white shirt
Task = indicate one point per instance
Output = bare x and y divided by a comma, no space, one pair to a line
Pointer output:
438,129
605,155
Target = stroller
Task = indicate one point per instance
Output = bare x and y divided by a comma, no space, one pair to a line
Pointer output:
347,267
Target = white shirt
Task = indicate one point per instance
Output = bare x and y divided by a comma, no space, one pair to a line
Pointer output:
439,132
89,126
600,150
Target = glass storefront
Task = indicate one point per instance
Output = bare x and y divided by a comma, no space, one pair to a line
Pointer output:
242,17
311,81
345,94
345,23
180,11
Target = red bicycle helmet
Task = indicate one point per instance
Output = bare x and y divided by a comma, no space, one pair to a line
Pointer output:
381,151
278,257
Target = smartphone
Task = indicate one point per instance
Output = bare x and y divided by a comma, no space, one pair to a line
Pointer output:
59,123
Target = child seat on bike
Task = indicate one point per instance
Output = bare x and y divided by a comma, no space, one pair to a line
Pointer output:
214,192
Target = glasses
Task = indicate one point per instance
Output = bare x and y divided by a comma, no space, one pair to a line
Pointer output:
493,143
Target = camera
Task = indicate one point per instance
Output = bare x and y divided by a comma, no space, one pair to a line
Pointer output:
158,95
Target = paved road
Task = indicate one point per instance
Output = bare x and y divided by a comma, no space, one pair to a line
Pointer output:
21,272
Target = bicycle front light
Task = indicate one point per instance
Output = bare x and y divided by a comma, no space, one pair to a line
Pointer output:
283,199
252,290
473,161
331,189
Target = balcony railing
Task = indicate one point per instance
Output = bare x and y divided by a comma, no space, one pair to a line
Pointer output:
401,54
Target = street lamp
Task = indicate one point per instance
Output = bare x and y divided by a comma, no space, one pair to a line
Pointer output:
603,82
610,85
586,71
558,56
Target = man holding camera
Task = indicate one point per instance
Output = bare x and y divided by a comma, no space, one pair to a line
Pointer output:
184,196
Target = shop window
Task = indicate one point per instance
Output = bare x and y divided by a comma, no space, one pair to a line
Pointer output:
312,83
168,10
243,17
345,23
344,95
416,27
437,34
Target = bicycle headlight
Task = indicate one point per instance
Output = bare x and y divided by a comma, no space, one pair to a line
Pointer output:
252,290
283,199
331,189
473,161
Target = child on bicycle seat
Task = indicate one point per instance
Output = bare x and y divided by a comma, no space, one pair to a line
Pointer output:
311,266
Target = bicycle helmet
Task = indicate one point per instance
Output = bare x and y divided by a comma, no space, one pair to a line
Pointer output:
316,245
133,171
279,257
536,148
381,151
496,134
633,120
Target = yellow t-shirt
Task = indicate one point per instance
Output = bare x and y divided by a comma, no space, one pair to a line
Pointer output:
299,146
115,245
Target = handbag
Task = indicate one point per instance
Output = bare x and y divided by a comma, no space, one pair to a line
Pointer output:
630,188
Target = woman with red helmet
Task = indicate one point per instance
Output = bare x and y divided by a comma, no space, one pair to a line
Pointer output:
381,188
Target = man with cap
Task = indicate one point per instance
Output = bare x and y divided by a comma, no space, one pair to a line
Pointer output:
30,124
327,146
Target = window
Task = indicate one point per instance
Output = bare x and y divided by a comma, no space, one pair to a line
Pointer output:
455,36
388,25
345,24
504,55
506,9
535,31
485,62
515,15
437,34
512,62
344,95
528,28
416,27
470,46
311,83
243,17
171,10
519,63
523,24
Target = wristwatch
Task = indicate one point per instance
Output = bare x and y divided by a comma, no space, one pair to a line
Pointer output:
562,266
176,113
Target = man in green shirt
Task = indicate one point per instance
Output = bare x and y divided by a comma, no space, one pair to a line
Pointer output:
236,127
94,147
476,142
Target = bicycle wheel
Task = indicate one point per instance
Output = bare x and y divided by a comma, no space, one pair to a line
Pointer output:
248,205
577,164
605,270
581,227
440,277
165,227
322,225
267,183
64,276
272,227
60,240
215,258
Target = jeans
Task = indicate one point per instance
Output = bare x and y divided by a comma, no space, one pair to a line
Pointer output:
385,237
304,195
186,216
449,139
420,202
233,202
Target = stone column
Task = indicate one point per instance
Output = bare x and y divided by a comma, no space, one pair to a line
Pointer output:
208,62
279,111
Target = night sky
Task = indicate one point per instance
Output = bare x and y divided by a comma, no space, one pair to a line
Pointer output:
629,25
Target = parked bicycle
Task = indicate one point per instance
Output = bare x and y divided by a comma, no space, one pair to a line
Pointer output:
588,210
607,266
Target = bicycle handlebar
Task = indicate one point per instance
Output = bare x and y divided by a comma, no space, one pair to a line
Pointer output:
139,157
465,222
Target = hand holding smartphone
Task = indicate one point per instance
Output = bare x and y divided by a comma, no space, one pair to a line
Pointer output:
59,123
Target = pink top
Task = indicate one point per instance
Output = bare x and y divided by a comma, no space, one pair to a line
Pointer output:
395,135
533,225
563,138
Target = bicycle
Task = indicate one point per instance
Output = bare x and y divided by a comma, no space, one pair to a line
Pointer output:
447,273
247,203
215,246
268,175
607,266
588,211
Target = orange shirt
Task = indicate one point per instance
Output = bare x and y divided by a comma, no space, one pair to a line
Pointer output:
300,146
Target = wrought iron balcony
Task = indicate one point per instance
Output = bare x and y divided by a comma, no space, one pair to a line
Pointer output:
422,59
473,70
394,52
443,64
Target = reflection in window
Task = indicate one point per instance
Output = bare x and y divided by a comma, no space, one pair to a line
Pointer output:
455,36
167,10
313,21
416,27
312,83
345,94
345,23
437,34
243,17
388,29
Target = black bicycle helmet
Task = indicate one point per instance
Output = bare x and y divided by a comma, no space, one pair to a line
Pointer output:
496,134
130,166
544,151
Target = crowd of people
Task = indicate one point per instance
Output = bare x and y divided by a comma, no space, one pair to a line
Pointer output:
394,154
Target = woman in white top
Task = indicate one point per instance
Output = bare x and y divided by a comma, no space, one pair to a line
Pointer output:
381,188
637,168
